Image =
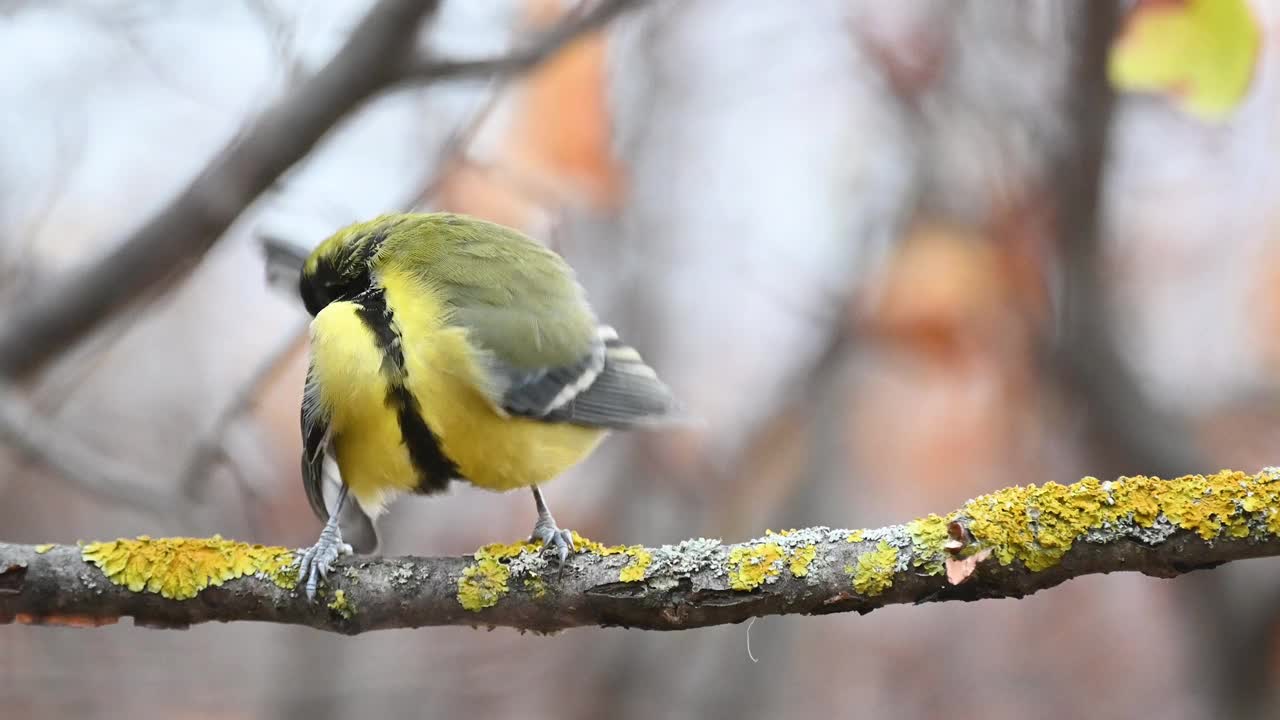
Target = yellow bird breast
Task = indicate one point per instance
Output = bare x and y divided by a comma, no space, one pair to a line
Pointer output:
357,386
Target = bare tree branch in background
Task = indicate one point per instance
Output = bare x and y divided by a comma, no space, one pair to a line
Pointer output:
456,150
1138,435
209,448
184,230
281,35
77,464
18,270
575,26
381,53
1235,629
1041,538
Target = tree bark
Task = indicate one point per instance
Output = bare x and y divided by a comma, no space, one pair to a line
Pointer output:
1008,544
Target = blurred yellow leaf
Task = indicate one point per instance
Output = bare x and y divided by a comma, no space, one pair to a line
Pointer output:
1201,52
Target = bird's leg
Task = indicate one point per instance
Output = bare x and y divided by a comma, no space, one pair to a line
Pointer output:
318,559
548,532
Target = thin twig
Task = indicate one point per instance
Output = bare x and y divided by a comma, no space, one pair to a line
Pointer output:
208,449
552,41
75,463
456,150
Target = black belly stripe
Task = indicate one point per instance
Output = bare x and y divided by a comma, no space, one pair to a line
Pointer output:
435,469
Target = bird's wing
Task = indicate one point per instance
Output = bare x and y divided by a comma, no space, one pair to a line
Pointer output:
611,387
608,386
541,350
315,446
321,478
598,381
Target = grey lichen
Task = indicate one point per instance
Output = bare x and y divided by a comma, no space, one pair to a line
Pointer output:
804,547
527,564
402,575
688,557
896,536
1109,532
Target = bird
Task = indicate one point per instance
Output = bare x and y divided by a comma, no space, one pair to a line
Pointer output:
446,348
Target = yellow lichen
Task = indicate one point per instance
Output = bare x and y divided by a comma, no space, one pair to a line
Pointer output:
1134,497
1038,525
587,545
752,566
874,573
484,583
634,570
535,587
928,535
1273,521
179,568
801,557
640,561
341,605
1208,508
505,551
856,536
44,548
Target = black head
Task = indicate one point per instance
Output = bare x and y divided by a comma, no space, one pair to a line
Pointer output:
322,284
340,268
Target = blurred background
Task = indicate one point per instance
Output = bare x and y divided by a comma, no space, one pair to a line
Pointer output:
868,242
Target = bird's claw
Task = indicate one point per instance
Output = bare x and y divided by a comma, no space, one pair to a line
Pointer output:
318,559
553,537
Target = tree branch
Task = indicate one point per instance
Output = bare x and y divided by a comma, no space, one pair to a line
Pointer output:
1124,420
188,227
380,53
1008,544
546,45
79,465
210,448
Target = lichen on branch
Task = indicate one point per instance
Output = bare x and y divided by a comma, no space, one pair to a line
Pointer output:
179,568
1009,543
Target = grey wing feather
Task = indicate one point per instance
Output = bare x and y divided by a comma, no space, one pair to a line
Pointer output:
610,387
539,393
321,477
315,447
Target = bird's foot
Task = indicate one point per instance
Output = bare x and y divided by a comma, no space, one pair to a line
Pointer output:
318,560
552,537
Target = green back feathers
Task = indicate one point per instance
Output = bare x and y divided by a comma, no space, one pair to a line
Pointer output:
517,299
543,354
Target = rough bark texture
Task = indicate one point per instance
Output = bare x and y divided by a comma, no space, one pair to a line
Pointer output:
1159,528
